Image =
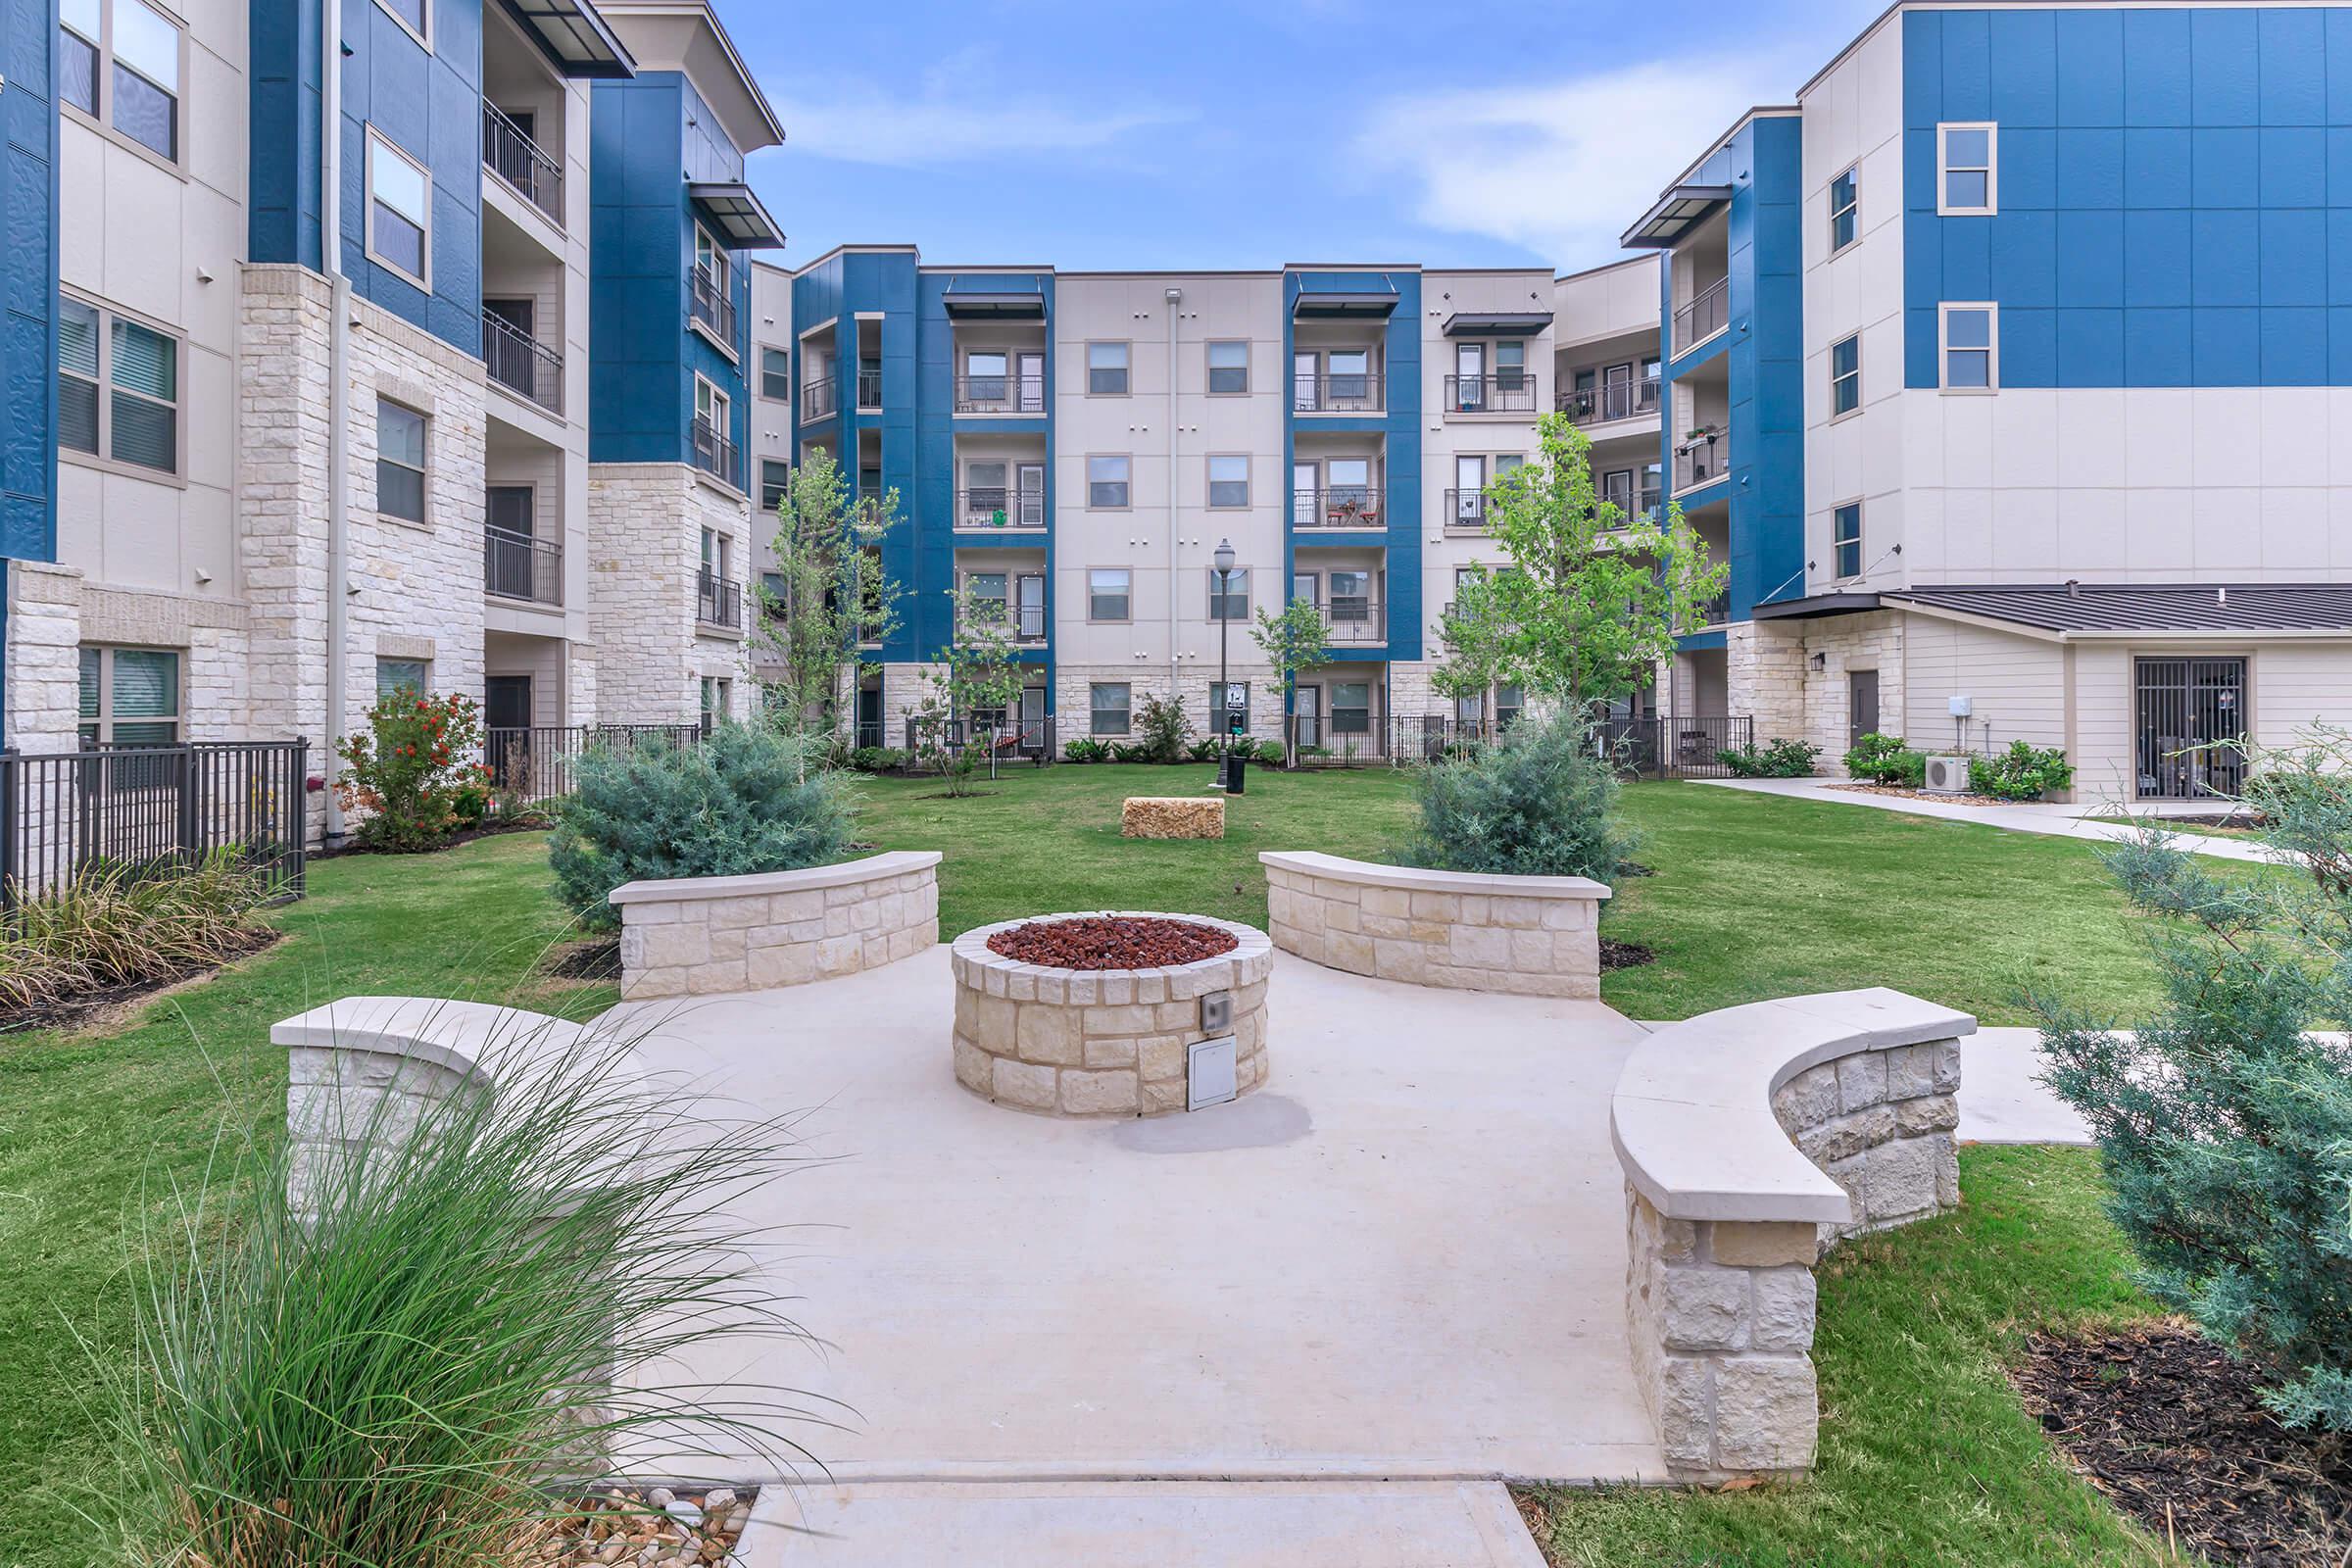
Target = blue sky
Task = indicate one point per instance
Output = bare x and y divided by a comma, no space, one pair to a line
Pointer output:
1218,134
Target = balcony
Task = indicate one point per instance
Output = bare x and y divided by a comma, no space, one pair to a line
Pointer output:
521,364
1353,622
1609,400
1348,392
708,302
1465,511
515,565
717,602
714,454
998,509
1701,460
1348,505
521,162
1503,392
869,386
1706,313
1026,627
817,399
1011,393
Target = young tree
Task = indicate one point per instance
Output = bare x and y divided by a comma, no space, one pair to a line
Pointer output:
826,593
978,671
1292,641
1591,599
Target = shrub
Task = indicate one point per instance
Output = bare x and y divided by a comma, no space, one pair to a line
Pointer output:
2020,773
1885,759
2224,1124
748,798
1208,749
1164,729
406,769
1539,802
1270,754
1130,751
1778,758
116,925
875,760
1085,749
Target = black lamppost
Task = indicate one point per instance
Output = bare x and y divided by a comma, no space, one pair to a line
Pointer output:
1224,560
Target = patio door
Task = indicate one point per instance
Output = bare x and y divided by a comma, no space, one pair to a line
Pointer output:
2187,708
1033,719
1617,399
1469,376
1031,481
1031,605
1033,382
1307,715
1306,376
869,716
1470,489
1306,478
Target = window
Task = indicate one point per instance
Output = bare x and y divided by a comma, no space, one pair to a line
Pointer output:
1109,594
775,374
1229,594
1350,375
1509,703
1106,708
1218,693
1107,368
1967,183
1228,368
1229,481
706,255
1107,483
118,387
1352,708
400,208
718,548
717,693
1845,376
1845,539
394,675
410,14
985,592
84,30
399,461
711,407
1349,600
129,697
775,477
1510,365
1841,212
1970,363
144,49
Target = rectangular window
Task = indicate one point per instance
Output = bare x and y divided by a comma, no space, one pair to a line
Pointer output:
1107,483
1508,705
1971,361
410,14
1106,708
83,32
1510,365
1845,539
400,204
985,590
1229,594
1966,182
1223,696
410,675
1351,378
775,477
1842,207
1228,366
1845,376
775,374
146,78
1109,594
1352,708
399,461
1349,600
1229,481
706,255
118,387
1107,368
129,697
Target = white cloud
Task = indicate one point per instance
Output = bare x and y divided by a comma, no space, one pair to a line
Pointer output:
959,111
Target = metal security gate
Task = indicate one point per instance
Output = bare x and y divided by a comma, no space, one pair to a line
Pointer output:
2188,710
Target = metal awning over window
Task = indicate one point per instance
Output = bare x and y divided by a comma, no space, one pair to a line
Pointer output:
979,304
1344,305
1496,323
570,33
736,214
1677,213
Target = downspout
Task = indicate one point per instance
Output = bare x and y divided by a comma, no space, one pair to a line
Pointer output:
1175,298
338,394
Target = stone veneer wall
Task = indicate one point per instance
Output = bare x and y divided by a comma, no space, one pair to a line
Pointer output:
645,526
1110,1043
693,936
1073,701
1532,936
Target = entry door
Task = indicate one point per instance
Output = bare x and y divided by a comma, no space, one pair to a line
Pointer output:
1033,719
1861,706
869,716
1618,403
1306,708
1033,382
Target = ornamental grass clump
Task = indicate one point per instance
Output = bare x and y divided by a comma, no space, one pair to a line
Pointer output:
114,924
415,1357
2224,1124
749,798
1539,802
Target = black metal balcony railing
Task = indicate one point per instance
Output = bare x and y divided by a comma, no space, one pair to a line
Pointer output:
710,301
1465,511
715,453
816,399
1705,314
1503,392
1716,611
1027,624
717,602
1698,460
1349,392
1353,620
869,386
1338,505
521,162
521,364
997,508
515,565
1011,393
1634,505
1610,400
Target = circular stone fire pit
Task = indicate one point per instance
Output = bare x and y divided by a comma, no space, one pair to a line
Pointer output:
1102,1030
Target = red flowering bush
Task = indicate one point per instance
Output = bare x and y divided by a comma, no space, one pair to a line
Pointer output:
413,769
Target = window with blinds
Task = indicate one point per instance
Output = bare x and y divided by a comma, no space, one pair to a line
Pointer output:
118,389
129,697
402,676
399,461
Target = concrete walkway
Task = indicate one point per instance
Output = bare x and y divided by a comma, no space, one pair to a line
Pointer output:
2069,820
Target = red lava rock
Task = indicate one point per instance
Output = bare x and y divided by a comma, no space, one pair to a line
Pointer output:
1111,942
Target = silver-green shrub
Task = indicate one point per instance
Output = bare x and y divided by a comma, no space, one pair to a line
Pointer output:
1541,802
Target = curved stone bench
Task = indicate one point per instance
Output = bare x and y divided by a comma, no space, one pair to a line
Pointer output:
697,935
1751,1138
1469,931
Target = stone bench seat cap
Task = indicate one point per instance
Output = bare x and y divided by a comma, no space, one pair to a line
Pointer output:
1692,1115
1425,879
891,862
457,1035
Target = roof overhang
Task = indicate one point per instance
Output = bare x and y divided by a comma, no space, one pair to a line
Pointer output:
1331,305
1497,324
1001,305
743,225
574,35
1675,213
1815,605
685,35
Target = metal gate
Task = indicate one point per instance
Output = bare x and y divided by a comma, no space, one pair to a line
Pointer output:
2190,712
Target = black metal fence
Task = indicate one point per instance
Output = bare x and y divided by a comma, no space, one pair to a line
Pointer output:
535,765
1676,748
1030,740
156,810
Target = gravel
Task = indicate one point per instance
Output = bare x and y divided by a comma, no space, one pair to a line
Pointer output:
645,1527
1111,942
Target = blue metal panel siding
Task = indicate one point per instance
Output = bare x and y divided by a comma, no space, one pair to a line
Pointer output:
640,398
29,197
2171,192
284,153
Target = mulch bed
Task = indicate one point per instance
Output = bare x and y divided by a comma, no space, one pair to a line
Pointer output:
2171,1428
1624,956
1117,942
598,958
648,1525
489,830
1920,795
89,1006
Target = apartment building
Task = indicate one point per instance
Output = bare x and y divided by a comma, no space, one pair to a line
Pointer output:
2008,366
470,425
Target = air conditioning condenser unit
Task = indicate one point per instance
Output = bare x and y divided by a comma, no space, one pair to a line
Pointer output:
1948,775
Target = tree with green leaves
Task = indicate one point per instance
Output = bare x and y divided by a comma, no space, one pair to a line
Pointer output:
1294,640
826,594
1591,599
978,671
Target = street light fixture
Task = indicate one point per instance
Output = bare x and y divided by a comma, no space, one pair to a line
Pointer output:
1224,560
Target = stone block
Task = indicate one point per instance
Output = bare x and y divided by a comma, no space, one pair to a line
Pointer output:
1947,1066
1160,1096
1900,1180
974,1067
1945,1154
1105,1054
1862,1080
717,978
1048,1034
1762,1244
1349,951
1445,906
1515,913
994,1024
1145,816
674,946
1784,1309
1910,1071
1702,1308
1160,1056
1022,1083
1395,903
1807,1100
1408,961
1932,1114
1096,1094
1686,1427
1767,1413
1843,1136
792,963
1480,946
736,915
